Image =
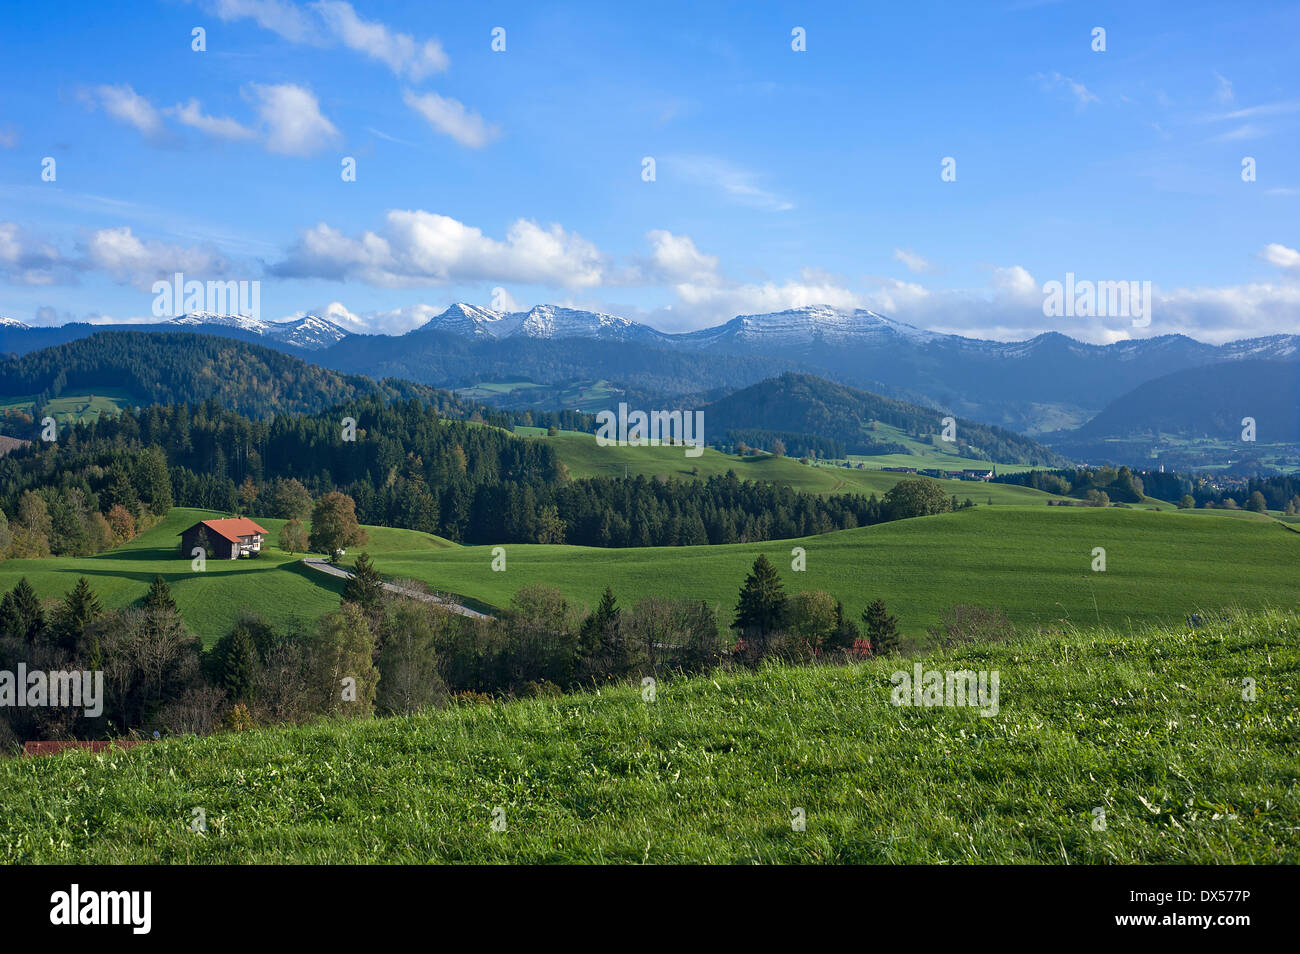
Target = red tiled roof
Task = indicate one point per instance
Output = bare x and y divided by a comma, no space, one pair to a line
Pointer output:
232,528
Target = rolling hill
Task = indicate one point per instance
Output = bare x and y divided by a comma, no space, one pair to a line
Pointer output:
1032,562
136,368
804,404
585,458
275,585
1146,724
1200,403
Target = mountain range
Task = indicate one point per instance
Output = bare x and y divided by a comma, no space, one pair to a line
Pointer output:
1044,385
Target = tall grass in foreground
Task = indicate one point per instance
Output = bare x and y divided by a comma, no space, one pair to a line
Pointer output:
1149,726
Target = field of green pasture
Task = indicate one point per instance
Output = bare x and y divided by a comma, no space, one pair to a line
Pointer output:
1032,562
76,408
585,458
274,585
1146,729
1035,563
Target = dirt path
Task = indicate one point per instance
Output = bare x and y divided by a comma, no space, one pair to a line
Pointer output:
324,566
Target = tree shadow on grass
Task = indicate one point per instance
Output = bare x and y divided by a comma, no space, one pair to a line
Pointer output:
187,575
142,553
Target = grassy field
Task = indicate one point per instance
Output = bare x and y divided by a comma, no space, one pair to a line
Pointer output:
275,585
589,396
922,454
1033,563
585,458
75,408
1149,727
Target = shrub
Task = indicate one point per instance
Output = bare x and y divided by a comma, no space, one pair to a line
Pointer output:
967,625
238,719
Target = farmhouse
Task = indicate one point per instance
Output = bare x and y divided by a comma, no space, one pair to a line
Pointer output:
226,539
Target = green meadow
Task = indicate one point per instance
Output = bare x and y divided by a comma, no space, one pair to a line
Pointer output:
1110,745
1033,563
274,585
924,453
76,408
585,458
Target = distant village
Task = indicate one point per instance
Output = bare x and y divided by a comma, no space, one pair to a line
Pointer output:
975,474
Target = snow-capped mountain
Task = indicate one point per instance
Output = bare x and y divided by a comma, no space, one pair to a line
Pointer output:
310,332
806,326
541,321
243,322
549,321
471,321
12,323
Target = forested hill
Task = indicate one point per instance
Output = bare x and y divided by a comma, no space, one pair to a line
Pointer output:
405,466
180,368
175,368
804,404
1206,402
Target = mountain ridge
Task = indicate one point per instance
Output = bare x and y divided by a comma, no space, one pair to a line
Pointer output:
1040,385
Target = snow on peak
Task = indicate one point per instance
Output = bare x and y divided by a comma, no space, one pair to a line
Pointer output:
308,331
12,323
812,324
541,321
551,321
243,322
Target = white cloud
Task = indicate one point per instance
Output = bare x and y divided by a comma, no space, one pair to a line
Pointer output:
420,248
191,114
8,137
128,258
915,263
676,259
735,183
294,123
280,16
1082,95
759,298
450,117
1244,131
329,21
1224,92
1014,280
27,260
1253,112
127,106
399,51
1281,256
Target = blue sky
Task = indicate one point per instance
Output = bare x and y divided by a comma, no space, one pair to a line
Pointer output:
782,177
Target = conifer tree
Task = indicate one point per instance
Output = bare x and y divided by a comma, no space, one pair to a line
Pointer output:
882,629
366,586
79,609
159,595
762,604
239,667
30,615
